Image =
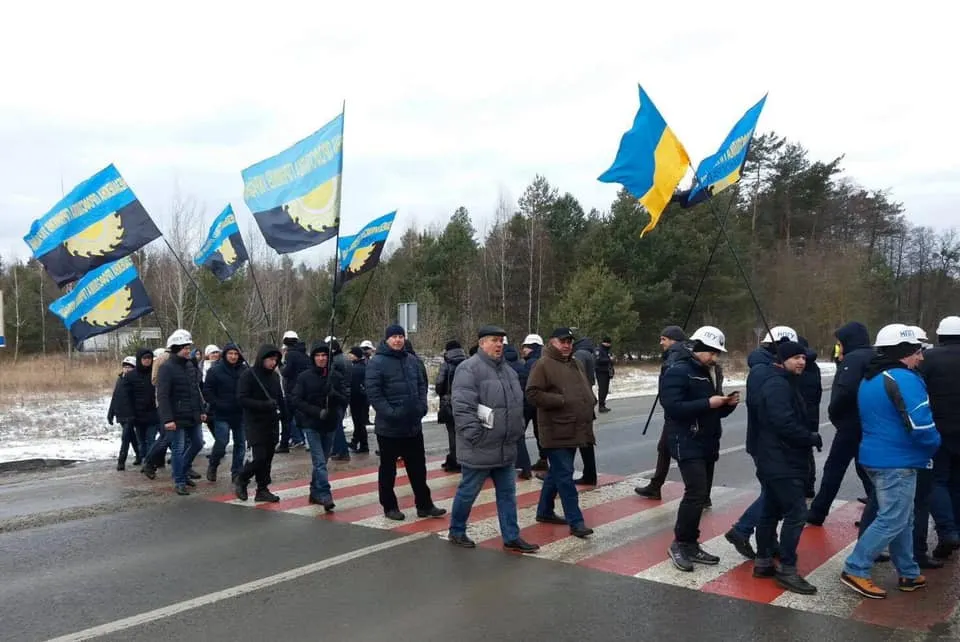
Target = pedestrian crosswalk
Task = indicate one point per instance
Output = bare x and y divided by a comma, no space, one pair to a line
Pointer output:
631,537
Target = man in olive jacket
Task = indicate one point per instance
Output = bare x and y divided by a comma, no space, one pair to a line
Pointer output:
564,400
488,418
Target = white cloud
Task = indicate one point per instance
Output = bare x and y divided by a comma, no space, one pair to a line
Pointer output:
447,105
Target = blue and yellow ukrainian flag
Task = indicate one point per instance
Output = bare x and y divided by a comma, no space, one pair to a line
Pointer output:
361,252
650,162
295,195
99,221
223,253
105,299
719,171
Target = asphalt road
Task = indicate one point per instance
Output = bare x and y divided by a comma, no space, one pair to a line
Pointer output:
89,553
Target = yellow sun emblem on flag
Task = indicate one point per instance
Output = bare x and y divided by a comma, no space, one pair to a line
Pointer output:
111,311
98,239
359,258
317,210
227,252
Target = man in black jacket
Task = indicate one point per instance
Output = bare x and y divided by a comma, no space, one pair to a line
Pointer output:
811,391
604,362
453,356
220,392
139,402
315,399
780,440
181,408
583,352
941,371
295,361
671,344
531,351
856,353
396,385
122,413
342,366
359,404
260,394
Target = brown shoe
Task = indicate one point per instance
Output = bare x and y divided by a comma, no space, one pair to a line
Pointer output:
864,586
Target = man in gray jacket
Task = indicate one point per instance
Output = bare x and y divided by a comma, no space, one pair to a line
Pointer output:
488,416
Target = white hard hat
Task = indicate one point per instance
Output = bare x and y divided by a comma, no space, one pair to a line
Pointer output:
895,334
949,327
130,361
505,342
711,337
329,338
158,352
210,349
367,344
290,334
920,332
533,340
779,333
179,338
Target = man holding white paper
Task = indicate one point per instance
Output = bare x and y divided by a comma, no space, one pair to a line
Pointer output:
488,415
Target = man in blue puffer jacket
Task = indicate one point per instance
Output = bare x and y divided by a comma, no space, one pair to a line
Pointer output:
899,438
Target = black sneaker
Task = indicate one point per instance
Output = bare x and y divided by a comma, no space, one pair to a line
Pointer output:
182,491
149,471
585,481
604,409
191,483
521,546
433,511
679,558
395,515
581,531
462,541
765,572
328,506
741,543
795,584
121,467
700,556
264,495
241,490
649,491
552,518
192,474
137,461
211,474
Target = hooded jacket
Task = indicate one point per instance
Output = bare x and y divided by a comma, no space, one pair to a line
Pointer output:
492,383
811,388
317,394
512,357
396,386
116,409
137,401
260,394
692,426
358,390
888,441
220,387
178,392
342,368
443,385
536,352
564,400
857,354
941,371
583,352
294,362
778,432
604,360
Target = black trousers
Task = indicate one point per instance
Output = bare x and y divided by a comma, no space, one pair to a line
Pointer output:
360,414
411,450
259,466
589,456
697,479
529,416
663,461
451,444
603,387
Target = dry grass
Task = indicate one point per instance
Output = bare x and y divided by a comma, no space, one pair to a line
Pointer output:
56,375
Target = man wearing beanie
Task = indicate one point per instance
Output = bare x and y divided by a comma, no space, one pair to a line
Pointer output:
671,340
453,356
899,439
780,440
397,389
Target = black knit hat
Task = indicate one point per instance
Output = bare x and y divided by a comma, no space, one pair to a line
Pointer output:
789,349
674,332
393,331
452,345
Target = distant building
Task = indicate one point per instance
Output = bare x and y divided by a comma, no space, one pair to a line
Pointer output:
120,339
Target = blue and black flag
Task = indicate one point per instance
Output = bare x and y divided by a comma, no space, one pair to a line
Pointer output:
99,221
105,299
361,252
295,195
224,251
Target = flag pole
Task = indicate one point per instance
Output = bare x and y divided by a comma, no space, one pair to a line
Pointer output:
263,305
696,295
336,251
356,311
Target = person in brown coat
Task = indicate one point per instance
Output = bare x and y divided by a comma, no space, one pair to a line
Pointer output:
559,390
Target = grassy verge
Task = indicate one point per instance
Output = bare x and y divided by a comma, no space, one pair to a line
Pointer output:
57,376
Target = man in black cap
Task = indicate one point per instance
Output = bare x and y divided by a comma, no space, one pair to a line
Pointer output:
488,415
671,341
604,362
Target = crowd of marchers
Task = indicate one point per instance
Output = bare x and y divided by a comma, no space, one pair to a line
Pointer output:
895,405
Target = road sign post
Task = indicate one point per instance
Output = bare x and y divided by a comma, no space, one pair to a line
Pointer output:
407,317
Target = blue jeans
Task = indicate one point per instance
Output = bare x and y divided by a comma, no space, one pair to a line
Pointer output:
146,435
921,513
339,438
895,489
783,499
559,481
505,485
945,498
222,432
185,443
750,519
843,450
320,445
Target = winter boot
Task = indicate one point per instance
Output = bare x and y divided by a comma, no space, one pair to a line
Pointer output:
211,473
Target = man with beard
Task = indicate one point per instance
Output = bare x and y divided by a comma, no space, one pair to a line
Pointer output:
220,392
260,395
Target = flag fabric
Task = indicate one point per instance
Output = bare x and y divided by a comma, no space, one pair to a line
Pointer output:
295,195
223,252
650,162
99,221
107,298
719,171
361,252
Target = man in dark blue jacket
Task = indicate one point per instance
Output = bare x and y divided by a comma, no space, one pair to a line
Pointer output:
811,390
397,388
220,392
453,356
604,363
359,404
295,361
780,440
139,401
693,406
856,353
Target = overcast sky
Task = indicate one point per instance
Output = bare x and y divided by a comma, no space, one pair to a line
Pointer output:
448,107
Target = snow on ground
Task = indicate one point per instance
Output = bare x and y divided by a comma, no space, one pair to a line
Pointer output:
46,428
